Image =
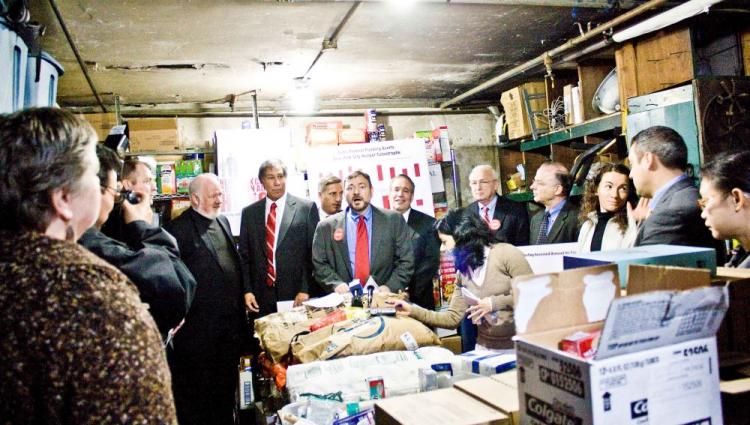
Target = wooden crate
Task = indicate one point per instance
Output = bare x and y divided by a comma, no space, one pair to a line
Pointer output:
654,63
590,76
745,41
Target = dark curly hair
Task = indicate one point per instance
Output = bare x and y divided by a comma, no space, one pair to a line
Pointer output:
471,235
590,201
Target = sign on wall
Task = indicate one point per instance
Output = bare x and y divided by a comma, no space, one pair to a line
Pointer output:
382,161
239,154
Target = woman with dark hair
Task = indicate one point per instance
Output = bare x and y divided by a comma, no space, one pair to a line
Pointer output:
485,268
605,223
77,344
725,201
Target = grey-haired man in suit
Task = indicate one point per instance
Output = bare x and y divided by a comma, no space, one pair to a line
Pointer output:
558,223
658,160
363,241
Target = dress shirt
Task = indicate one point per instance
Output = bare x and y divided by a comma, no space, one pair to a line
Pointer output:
351,233
280,204
405,214
490,206
554,212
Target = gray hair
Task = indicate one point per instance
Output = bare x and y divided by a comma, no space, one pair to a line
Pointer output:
268,164
325,181
41,150
663,142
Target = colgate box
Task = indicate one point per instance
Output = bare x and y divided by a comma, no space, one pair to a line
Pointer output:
656,360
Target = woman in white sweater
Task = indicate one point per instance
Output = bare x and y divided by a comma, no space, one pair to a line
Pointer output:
605,224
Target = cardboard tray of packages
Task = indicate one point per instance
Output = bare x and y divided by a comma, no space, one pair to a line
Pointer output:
666,255
656,360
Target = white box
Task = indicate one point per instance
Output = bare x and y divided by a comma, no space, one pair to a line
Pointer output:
485,362
656,362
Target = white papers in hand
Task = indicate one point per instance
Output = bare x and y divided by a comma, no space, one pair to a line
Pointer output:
333,299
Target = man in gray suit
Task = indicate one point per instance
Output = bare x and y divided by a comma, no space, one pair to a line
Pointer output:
558,223
658,159
362,241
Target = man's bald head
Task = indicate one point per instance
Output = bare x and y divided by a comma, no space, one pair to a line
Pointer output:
206,196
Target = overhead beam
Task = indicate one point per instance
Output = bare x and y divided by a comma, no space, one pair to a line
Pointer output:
595,4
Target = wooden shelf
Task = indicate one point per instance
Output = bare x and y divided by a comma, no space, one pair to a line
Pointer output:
597,125
167,153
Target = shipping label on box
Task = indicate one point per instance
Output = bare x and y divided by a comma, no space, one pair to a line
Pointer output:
656,362
663,255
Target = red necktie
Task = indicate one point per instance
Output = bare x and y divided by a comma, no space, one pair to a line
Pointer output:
270,239
362,253
486,217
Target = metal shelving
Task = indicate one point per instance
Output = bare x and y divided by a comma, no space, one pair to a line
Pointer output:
596,125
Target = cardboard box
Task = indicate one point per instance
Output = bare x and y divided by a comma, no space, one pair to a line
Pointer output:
644,278
452,343
483,362
515,109
656,361
153,134
352,135
446,406
665,255
102,123
498,391
323,133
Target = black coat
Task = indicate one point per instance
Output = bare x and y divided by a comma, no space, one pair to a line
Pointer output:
426,259
215,328
151,260
513,218
293,252
564,229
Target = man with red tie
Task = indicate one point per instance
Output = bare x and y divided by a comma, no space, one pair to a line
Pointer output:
363,241
275,243
508,220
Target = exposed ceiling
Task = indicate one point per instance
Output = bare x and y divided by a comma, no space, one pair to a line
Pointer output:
194,52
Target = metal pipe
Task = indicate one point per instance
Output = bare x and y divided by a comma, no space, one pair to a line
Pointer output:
331,41
539,60
77,54
178,114
255,109
455,178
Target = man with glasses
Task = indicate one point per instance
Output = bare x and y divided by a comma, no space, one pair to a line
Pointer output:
558,223
507,219
148,256
658,160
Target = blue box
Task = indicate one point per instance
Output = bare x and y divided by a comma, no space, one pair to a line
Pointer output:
661,255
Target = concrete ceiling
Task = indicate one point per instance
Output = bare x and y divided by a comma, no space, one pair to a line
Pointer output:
194,52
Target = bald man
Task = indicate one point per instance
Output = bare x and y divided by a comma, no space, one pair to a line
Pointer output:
215,333
558,223
508,220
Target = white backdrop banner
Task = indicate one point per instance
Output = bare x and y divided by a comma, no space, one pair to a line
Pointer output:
382,161
239,154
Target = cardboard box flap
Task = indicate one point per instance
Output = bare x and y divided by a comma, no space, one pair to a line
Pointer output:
656,319
644,278
568,298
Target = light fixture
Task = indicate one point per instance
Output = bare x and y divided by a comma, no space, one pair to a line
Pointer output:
302,95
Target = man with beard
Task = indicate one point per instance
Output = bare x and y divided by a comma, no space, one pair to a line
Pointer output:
208,347
363,241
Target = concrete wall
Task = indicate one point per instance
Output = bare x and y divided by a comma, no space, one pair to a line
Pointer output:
472,136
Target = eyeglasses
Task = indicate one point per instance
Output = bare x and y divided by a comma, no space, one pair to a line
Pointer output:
481,182
114,191
702,202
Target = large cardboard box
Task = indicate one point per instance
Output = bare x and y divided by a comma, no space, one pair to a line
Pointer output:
446,406
656,359
153,134
515,109
665,255
102,123
498,391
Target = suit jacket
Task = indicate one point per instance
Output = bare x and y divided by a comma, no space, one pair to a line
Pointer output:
151,260
565,227
215,326
293,251
513,217
391,259
676,220
426,259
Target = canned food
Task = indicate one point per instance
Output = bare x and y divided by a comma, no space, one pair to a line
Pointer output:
377,387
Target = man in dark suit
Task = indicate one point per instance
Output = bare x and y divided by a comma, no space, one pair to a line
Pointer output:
425,242
558,223
508,219
658,159
363,241
208,346
276,242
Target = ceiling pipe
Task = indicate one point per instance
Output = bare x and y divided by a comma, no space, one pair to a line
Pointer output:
332,41
73,47
570,44
590,4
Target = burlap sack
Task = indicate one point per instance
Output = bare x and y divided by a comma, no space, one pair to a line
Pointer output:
354,337
275,331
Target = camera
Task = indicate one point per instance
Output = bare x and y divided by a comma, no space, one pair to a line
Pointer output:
128,195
